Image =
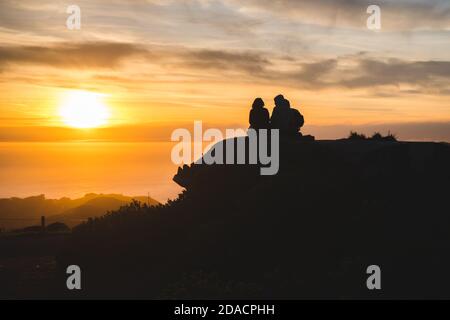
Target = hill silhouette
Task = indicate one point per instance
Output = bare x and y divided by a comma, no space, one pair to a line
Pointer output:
334,208
22,212
92,208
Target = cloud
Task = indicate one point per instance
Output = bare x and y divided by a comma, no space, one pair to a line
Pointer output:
395,72
361,72
219,15
13,15
250,62
396,15
350,72
112,55
71,55
314,75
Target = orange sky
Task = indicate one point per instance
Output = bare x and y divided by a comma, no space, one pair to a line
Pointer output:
167,63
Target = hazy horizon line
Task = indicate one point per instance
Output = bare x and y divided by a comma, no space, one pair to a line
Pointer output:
437,131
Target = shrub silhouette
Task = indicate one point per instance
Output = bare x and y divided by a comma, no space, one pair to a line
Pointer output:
375,137
356,136
390,137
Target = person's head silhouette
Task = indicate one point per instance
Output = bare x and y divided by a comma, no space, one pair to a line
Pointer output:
279,99
258,103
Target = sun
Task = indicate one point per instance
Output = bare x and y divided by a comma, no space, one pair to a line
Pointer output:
84,109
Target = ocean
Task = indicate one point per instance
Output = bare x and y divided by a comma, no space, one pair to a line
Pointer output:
72,169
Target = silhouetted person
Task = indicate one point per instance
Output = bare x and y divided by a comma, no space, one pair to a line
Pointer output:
259,116
281,114
296,121
288,120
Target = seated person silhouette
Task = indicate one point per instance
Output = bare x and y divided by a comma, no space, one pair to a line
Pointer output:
281,114
288,120
259,116
296,121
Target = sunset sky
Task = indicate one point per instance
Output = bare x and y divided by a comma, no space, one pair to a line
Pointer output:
163,64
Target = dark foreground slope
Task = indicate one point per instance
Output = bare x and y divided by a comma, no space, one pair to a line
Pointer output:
334,208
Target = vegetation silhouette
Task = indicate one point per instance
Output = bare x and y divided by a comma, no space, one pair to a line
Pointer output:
376,136
333,209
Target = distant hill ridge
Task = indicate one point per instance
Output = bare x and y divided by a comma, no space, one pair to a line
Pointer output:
21,212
